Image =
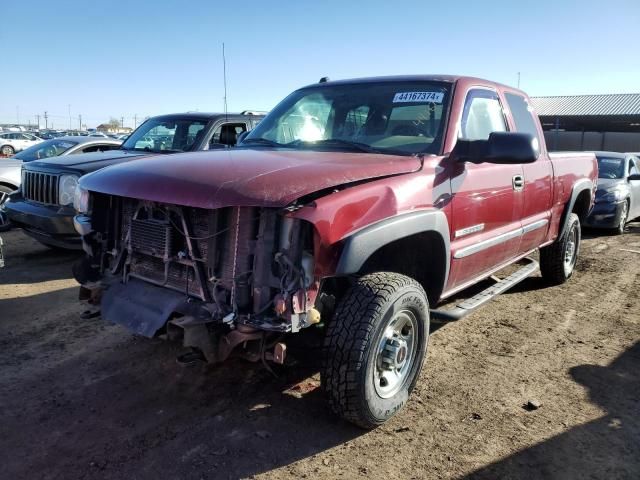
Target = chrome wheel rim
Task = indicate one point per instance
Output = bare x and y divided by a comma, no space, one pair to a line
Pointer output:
395,354
571,251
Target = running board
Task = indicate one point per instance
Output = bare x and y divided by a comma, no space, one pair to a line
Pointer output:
470,304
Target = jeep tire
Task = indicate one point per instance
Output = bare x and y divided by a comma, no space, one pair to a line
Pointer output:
374,348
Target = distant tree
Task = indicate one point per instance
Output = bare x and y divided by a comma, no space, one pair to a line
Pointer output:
114,122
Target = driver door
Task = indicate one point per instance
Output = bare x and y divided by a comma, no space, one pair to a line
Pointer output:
487,199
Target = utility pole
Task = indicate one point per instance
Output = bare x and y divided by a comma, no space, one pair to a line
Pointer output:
80,121
69,107
122,122
518,79
38,121
135,120
46,117
18,114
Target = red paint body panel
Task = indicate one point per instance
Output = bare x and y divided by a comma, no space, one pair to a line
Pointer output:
216,179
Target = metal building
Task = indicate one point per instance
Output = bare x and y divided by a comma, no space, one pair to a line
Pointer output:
591,122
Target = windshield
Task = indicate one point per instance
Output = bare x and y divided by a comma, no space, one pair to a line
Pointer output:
610,167
166,136
49,148
389,117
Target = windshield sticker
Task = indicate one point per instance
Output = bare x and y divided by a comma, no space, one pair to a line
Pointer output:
434,97
612,161
66,144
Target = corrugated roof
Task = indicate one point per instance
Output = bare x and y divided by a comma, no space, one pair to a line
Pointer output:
586,105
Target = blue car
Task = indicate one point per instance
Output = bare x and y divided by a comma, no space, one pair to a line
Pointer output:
618,195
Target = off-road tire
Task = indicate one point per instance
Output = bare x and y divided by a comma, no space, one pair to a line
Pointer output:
7,150
352,341
552,257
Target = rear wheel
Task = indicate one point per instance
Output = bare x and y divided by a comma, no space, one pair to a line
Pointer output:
558,260
7,150
624,216
374,348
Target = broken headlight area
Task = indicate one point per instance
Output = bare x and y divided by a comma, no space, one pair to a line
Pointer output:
236,276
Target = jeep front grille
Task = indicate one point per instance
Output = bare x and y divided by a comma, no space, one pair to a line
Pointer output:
40,187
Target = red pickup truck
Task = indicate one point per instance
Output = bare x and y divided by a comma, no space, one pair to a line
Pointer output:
352,210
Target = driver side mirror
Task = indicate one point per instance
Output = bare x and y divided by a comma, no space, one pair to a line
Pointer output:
633,177
500,147
241,137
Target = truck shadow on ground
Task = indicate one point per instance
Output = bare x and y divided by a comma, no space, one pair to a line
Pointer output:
608,447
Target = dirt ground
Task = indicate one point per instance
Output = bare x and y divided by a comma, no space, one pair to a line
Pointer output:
84,399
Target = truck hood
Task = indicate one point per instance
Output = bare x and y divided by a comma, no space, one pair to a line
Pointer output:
242,177
84,162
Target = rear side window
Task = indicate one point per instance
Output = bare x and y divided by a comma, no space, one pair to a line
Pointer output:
482,115
522,114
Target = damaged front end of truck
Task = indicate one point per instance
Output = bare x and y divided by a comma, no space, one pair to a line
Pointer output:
228,253
234,278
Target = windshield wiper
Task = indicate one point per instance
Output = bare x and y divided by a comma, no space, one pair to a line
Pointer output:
355,146
263,141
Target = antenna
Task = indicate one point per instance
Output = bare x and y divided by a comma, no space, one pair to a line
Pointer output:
224,72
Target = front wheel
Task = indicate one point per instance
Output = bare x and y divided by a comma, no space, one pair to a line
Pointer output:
374,348
558,260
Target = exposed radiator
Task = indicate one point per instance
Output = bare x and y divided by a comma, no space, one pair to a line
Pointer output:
222,241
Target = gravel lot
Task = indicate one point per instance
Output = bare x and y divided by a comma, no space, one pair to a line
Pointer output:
83,399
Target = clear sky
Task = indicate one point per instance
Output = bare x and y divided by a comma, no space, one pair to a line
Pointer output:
119,59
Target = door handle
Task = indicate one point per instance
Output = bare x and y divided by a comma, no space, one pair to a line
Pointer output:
518,183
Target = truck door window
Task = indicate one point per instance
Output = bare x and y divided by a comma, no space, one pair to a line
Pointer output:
482,115
227,135
522,114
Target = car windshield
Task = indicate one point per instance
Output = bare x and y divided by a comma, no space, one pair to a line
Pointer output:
610,167
46,149
166,136
386,117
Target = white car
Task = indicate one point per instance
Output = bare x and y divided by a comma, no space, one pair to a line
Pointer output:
12,142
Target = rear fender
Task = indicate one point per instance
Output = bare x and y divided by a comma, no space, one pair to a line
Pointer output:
579,187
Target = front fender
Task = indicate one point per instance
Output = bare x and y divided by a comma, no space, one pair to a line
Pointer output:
360,245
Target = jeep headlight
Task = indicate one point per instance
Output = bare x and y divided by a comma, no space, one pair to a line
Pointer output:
81,200
67,189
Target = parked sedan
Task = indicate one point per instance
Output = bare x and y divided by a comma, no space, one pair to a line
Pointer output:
67,146
618,195
10,167
12,142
